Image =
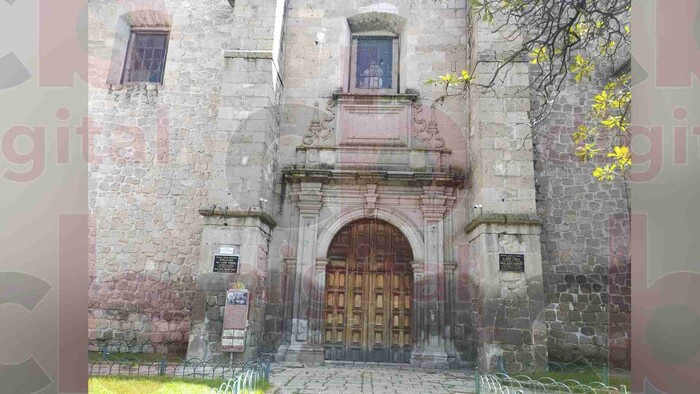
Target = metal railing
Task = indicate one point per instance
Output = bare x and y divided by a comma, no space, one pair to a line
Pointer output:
248,381
140,360
501,383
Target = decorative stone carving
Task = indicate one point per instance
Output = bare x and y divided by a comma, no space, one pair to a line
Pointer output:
371,199
428,133
435,201
308,197
320,129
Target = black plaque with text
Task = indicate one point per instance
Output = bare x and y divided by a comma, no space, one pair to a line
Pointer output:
226,264
511,262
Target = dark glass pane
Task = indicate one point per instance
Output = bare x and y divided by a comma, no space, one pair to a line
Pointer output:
374,57
147,57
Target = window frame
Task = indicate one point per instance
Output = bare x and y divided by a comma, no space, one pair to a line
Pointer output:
130,50
395,61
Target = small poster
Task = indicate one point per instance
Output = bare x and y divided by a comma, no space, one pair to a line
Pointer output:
235,320
237,298
225,264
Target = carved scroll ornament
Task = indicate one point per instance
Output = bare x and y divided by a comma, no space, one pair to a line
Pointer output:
321,130
428,133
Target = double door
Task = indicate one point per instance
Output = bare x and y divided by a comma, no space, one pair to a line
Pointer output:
369,295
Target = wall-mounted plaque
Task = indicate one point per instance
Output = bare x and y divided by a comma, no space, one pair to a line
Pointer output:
511,262
226,264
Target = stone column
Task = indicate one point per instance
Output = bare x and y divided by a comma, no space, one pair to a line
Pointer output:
318,302
303,347
418,318
450,279
287,291
450,282
431,288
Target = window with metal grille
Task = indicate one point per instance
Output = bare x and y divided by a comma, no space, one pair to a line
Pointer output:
374,62
145,58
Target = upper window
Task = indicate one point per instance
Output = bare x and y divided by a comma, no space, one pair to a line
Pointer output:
145,56
374,68
374,59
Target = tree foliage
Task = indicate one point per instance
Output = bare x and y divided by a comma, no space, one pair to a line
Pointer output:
562,40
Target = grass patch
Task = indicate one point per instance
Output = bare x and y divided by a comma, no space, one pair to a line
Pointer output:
585,377
158,385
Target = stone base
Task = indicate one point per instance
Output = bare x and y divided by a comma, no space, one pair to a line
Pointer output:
281,354
309,355
430,359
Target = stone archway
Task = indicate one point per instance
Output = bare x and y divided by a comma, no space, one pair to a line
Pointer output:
391,216
368,295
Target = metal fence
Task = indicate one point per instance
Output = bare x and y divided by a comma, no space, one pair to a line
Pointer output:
501,383
140,360
247,382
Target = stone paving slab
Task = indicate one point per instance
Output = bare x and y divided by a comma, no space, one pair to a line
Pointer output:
369,378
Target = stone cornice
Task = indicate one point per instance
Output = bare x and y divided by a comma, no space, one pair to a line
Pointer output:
295,175
224,212
503,218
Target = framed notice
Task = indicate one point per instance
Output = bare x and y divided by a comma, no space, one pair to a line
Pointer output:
226,264
511,262
235,320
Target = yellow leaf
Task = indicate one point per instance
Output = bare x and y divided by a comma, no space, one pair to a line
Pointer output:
622,156
606,173
539,55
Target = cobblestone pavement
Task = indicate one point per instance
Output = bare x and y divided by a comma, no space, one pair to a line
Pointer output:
369,378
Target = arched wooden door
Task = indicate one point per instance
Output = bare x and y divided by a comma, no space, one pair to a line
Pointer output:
369,285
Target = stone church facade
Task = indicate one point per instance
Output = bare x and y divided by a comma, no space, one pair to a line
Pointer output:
370,224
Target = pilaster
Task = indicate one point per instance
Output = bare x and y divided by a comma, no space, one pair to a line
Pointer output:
309,284
433,333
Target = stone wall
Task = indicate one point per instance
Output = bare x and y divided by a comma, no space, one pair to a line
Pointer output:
151,160
160,152
585,239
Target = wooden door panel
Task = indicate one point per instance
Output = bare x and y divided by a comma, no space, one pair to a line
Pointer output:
368,291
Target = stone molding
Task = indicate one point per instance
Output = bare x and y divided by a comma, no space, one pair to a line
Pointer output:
435,201
224,212
247,54
297,175
450,266
321,265
376,20
290,262
503,218
308,197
